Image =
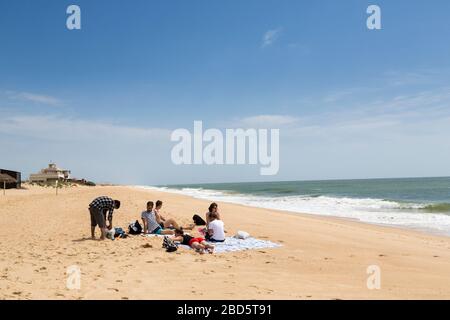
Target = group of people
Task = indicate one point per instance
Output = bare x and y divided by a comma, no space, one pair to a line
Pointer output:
102,208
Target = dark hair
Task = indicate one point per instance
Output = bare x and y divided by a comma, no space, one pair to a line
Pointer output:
158,203
117,204
211,206
213,215
179,231
150,203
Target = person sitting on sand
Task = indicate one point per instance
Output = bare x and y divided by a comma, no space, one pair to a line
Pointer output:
215,232
151,225
213,208
198,244
98,209
167,223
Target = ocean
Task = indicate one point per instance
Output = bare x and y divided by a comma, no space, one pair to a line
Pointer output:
417,203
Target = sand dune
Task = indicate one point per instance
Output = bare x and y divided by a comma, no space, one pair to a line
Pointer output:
321,258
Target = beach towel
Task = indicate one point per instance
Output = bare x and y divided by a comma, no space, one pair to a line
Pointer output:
152,235
232,244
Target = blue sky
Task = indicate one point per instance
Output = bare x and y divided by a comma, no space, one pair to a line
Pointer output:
102,101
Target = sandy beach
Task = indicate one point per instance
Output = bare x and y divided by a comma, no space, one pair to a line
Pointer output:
321,258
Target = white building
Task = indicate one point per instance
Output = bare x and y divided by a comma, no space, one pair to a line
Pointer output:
50,174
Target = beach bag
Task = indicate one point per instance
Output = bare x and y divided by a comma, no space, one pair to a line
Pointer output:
110,234
198,220
135,228
169,244
120,233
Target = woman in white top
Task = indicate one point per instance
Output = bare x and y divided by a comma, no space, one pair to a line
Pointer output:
216,231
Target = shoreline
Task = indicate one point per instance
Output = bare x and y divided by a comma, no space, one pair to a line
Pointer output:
423,230
320,257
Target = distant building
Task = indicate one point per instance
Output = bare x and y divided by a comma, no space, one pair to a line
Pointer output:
17,176
50,174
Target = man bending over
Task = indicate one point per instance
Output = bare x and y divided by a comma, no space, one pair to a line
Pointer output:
98,209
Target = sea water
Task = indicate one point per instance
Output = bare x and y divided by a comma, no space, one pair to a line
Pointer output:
418,203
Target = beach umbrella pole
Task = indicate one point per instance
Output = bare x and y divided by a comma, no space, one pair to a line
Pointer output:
4,187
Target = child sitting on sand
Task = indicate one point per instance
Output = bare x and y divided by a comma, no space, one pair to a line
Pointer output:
199,244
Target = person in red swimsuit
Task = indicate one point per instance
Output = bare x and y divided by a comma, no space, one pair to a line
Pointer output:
199,244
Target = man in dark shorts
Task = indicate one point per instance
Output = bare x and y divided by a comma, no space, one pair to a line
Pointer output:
98,209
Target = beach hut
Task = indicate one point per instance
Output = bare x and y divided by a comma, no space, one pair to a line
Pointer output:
4,179
17,176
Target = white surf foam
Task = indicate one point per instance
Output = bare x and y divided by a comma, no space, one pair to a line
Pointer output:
376,211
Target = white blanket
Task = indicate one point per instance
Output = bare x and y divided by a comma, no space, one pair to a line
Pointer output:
232,244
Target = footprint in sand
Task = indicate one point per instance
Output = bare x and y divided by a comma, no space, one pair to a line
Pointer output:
114,289
208,271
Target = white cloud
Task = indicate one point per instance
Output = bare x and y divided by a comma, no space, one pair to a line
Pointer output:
338,95
368,134
403,115
97,150
397,78
36,98
270,37
56,128
266,120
